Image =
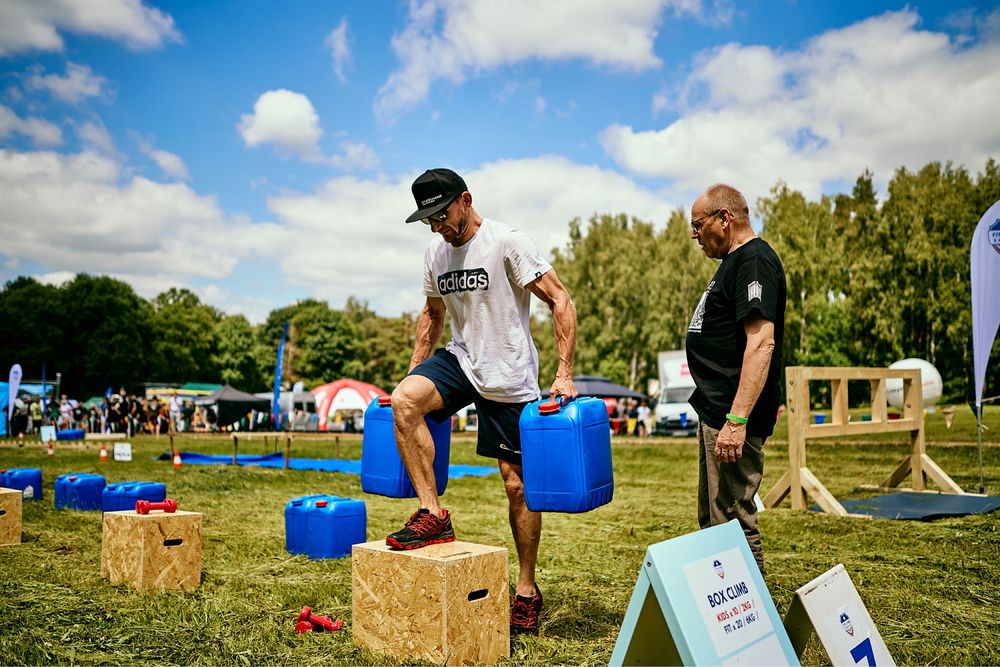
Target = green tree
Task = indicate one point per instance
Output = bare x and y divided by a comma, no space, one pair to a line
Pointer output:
325,346
111,339
678,277
234,356
807,237
607,273
31,328
384,344
269,337
185,346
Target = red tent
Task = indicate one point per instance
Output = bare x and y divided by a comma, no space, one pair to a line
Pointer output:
343,395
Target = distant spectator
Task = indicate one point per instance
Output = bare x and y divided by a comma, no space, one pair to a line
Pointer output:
65,414
175,413
187,414
163,421
211,419
642,415
79,416
35,412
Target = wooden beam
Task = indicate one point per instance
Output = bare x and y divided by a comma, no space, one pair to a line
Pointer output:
838,392
940,477
823,498
898,475
778,492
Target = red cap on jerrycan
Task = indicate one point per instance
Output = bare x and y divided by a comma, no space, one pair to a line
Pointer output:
548,407
384,401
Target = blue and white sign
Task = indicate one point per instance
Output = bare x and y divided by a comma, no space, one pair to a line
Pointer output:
830,605
123,451
14,381
700,600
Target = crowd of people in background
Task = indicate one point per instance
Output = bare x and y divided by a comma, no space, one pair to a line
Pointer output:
632,417
118,413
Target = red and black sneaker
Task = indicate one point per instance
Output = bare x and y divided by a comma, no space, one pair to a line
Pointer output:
421,529
524,614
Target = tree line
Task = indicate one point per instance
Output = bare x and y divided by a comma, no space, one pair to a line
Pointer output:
869,282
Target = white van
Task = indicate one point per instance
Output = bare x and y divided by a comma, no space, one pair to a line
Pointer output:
673,414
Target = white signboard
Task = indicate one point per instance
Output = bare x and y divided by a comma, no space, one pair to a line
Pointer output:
727,601
123,451
48,433
700,600
830,604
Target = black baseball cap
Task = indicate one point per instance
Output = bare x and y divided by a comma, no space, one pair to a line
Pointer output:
434,190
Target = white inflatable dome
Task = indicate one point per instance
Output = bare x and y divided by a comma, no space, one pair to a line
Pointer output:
929,376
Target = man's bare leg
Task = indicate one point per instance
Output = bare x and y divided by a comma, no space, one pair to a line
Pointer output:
525,525
412,400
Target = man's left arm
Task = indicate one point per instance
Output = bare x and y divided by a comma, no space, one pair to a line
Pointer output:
753,376
550,290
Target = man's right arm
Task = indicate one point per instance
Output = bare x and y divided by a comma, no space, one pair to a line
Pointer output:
430,324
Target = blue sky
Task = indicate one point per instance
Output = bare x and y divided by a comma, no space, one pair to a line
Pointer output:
259,153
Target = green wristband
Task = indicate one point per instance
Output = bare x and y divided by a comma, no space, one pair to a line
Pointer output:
739,420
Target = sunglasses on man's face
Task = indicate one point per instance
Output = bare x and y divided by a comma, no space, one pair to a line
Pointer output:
438,217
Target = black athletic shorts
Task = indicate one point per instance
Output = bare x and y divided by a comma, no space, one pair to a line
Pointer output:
499,423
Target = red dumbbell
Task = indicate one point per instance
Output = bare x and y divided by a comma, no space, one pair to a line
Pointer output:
319,623
143,506
302,627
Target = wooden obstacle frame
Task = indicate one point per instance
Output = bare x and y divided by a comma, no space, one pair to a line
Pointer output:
798,481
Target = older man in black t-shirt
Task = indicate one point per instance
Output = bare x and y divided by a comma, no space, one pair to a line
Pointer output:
734,354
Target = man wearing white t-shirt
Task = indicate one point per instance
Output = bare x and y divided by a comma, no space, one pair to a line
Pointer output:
481,273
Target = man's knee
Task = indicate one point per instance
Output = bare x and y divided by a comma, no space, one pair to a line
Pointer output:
405,402
514,486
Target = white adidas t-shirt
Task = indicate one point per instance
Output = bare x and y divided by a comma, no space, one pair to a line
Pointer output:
482,284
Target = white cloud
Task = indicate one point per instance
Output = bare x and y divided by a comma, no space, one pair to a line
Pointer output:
878,94
348,236
96,136
254,308
340,50
169,163
55,278
454,39
355,156
286,120
73,213
41,132
36,24
79,83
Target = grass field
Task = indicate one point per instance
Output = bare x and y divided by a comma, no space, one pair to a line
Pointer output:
931,587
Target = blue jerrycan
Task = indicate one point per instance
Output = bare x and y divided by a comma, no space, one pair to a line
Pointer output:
566,455
79,491
382,469
26,480
296,514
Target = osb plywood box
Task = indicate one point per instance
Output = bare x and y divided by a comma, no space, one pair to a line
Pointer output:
155,550
10,516
445,603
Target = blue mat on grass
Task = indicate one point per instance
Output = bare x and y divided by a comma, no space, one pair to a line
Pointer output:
277,460
909,505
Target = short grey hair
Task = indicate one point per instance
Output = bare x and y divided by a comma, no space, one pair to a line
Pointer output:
721,196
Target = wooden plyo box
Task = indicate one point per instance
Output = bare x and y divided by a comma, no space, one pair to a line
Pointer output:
445,603
10,516
155,550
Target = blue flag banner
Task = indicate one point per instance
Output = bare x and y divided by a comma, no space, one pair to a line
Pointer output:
275,402
985,269
15,381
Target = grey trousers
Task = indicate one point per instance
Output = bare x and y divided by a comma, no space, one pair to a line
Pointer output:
726,490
